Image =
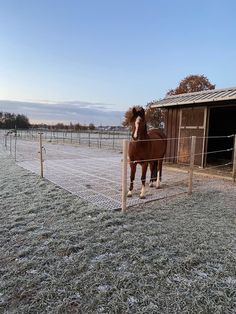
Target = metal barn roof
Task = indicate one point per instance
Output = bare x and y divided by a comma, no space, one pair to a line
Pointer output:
195,98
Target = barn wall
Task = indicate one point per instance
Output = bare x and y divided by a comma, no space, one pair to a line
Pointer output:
193,122
172,132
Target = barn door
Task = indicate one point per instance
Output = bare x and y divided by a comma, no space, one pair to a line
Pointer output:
192,123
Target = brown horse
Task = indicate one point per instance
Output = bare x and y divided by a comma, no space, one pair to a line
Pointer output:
146,147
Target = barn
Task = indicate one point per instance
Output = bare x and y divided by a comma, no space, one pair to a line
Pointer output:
210,115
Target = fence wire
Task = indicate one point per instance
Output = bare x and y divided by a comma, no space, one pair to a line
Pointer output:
92,170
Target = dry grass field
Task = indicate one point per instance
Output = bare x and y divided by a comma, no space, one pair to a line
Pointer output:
60,255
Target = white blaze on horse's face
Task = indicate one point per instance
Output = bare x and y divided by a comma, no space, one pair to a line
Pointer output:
136,124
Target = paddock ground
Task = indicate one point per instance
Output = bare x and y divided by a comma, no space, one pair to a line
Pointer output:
60,254
95,174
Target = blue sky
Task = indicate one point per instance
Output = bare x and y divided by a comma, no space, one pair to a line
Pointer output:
108,54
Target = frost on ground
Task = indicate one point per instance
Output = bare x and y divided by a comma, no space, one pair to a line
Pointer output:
93,174
60,255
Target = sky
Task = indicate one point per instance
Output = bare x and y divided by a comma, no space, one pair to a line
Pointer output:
88,61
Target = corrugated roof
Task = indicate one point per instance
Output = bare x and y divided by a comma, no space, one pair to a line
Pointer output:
197,97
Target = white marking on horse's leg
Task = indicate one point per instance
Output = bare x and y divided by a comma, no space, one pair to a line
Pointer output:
158,183
129,193
151,184
142,194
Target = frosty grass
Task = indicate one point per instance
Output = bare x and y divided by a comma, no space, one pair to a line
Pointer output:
60,255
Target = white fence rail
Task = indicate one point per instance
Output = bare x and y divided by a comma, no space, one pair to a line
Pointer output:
100,139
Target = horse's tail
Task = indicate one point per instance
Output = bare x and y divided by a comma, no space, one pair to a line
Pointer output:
156,170
154,173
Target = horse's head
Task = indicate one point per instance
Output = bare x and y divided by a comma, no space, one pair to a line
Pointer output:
138,124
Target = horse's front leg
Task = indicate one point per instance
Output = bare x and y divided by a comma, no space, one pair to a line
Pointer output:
133,166
143,179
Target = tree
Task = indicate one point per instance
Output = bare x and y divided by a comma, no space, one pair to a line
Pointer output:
60,126
9,120
22,122
155,117
128,116
71,127
91,126
192,83
77,126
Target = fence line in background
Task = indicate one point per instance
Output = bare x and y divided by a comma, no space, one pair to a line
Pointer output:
9,134
97,139
90,138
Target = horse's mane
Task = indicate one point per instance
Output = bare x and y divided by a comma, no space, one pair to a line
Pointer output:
159,131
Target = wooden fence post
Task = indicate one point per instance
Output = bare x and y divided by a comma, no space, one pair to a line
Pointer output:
113,140
41,154
100,143
191,165
10,136
15,145
234,160
124,176
5,135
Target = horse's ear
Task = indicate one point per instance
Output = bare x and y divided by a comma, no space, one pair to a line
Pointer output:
142,111
134,111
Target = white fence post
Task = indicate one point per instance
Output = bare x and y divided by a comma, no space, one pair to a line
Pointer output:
234,160
124,176
41,154
191,165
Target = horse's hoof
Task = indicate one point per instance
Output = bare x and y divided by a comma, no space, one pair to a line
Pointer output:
151,185
129,194
142,197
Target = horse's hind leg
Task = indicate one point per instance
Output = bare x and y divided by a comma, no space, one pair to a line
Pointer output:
159,174
153,170
143,179
133,166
